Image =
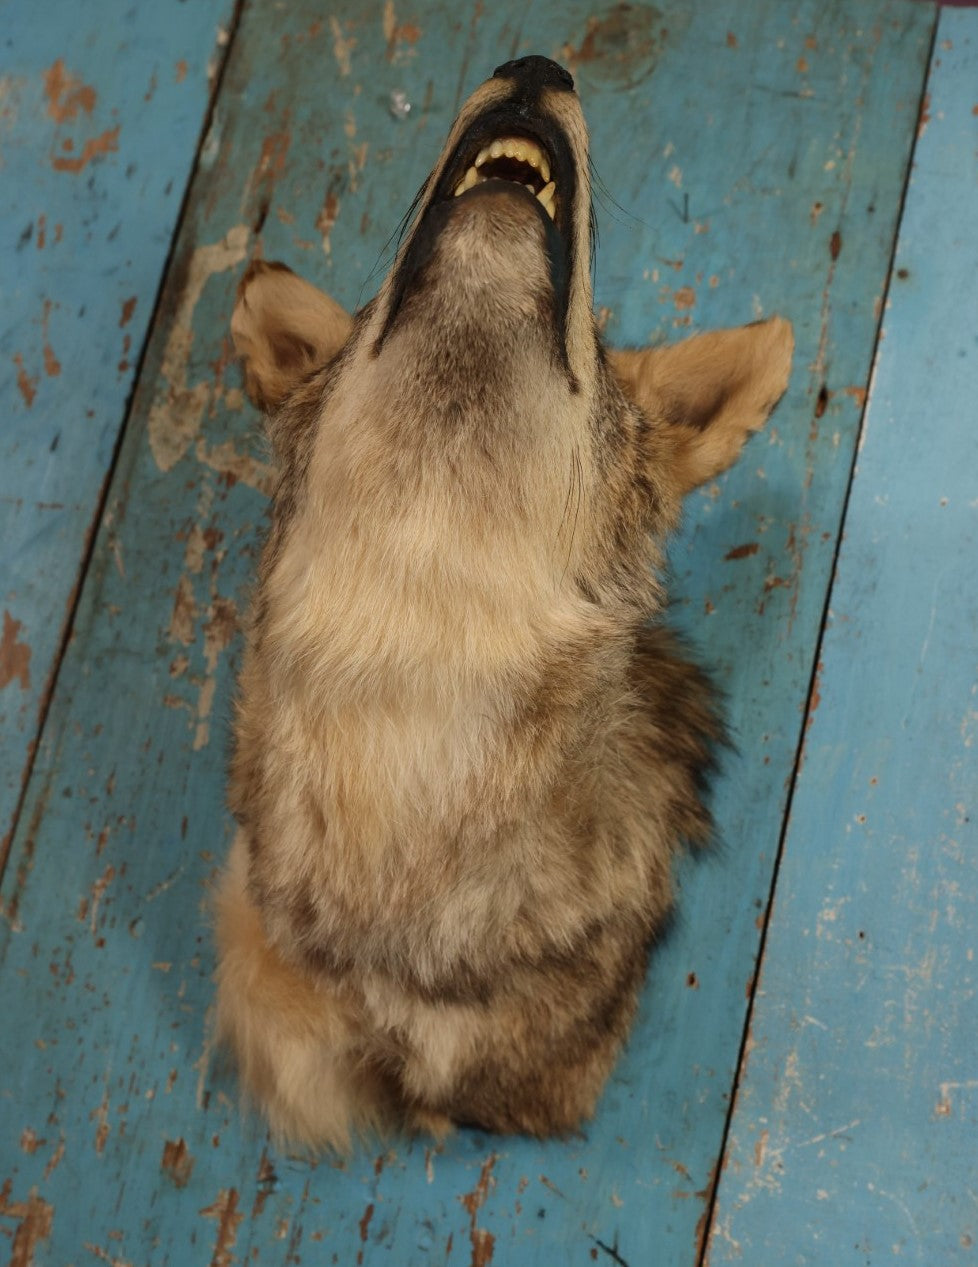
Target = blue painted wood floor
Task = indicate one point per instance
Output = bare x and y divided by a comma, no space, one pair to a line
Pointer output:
802,1083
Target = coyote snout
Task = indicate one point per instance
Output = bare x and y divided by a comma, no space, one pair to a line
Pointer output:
466,751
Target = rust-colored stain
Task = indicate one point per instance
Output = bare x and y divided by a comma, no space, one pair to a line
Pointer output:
398,33
743,552
128,308
924,118
328,214
42,237
225,1211
54,1161
685,297
36,1217
26,385
692,981
177,1161
29,1143
483,1242
858,394
180,71
274,151
821,401
705,1194
622,46
835,244
816,692
731,40
363,1225
15,656
801,66
106,143
66,94
266,1181
52,366
760,1148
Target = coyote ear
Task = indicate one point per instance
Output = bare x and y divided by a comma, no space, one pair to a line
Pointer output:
282,329
705,396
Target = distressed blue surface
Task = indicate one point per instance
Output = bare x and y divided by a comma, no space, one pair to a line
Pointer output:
101,106
855,1137
760,156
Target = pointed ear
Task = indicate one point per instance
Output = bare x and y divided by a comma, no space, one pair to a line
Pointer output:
706,395
283,328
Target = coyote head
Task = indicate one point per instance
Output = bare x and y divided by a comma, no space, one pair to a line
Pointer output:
476,385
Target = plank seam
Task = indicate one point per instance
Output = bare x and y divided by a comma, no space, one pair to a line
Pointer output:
91,533
703,1249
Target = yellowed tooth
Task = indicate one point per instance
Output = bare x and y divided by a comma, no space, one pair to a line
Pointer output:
544,168
547,192
482,156
495,149
460,189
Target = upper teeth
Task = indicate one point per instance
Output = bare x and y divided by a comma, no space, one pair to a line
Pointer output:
526,151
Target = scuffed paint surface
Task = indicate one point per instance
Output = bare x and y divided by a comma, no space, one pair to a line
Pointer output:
853,1138
97,141
131,1128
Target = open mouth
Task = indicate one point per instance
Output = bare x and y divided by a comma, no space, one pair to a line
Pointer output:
503,148
514,158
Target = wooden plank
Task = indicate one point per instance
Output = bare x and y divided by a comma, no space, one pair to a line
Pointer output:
854,1134
788,129
101,108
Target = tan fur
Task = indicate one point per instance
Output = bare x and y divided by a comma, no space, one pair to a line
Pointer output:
463,759
282,329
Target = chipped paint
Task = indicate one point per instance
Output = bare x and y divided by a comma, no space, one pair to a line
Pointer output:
15,656
224,1210
106,143
177,1162
482,1241
35,1218
66,94
343,46
26,385
327,218
178,409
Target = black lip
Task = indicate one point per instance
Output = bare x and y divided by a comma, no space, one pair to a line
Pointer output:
506,119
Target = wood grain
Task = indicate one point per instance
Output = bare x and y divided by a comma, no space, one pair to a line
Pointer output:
853,1138
101,108
758,157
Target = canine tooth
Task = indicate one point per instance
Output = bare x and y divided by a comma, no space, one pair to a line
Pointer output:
549,208
482,156
460,189
546,194
544,168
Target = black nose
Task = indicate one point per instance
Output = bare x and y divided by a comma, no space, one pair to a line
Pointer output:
535,73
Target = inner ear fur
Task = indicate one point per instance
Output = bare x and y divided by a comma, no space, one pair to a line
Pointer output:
283,328
706,395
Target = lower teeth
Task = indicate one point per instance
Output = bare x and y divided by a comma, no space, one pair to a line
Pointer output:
545,197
